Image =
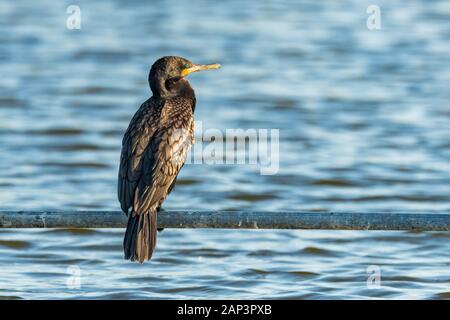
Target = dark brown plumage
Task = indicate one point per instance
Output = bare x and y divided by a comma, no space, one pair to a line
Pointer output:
154,149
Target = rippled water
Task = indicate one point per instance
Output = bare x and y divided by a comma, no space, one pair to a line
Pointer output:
364,121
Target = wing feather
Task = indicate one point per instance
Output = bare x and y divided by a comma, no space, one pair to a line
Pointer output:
154,150
134,143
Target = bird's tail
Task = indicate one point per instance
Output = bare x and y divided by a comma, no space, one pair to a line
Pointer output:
140,237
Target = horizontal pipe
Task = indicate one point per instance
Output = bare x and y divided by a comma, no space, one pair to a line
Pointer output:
233,220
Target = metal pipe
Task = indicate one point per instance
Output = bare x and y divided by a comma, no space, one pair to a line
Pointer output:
234,220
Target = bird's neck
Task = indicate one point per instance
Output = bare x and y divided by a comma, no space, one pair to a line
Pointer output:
187,92
179,88
174,89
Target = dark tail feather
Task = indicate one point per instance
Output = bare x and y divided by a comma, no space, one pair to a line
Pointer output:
140,237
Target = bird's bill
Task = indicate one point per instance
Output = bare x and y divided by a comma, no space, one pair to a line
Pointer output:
199,67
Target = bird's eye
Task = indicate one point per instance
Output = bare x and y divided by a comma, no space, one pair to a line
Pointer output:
187,65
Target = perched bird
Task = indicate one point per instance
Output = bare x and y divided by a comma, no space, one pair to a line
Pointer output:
154,149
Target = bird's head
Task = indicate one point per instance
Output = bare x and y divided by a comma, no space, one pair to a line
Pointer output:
167,75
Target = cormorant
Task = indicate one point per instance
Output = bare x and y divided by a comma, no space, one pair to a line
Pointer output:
154,149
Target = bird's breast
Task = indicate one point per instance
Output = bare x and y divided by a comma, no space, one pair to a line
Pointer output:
177,112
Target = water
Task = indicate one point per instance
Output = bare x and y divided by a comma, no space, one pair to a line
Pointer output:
364,121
